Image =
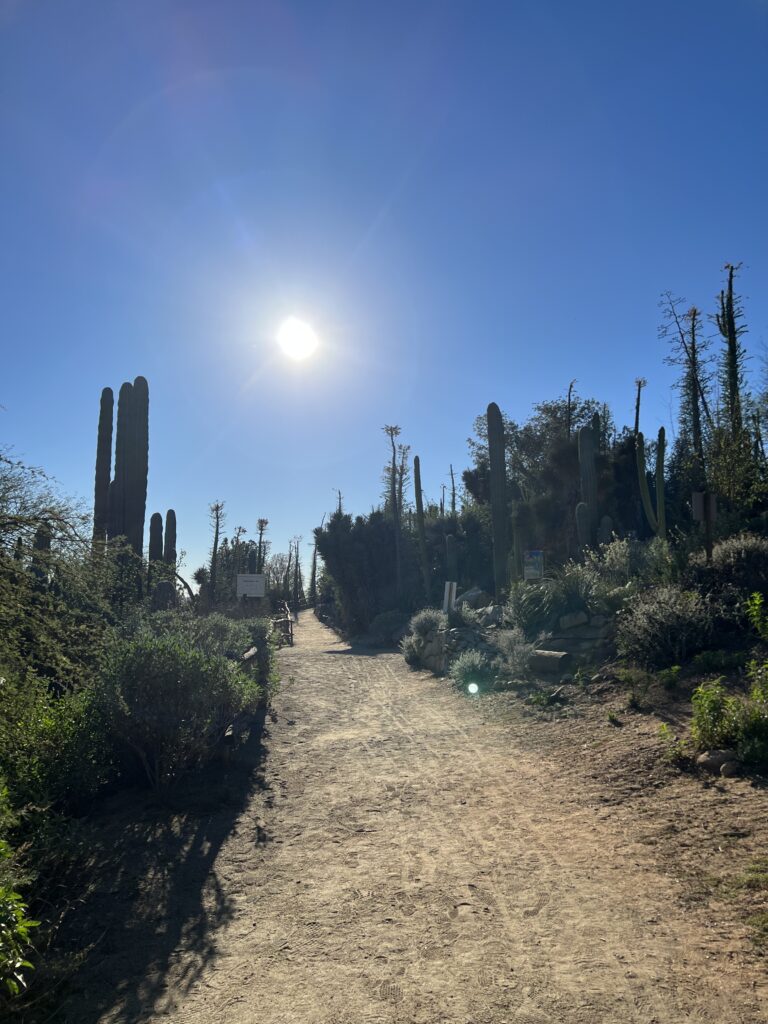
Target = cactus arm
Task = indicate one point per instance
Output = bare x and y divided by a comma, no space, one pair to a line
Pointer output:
420,529
103,465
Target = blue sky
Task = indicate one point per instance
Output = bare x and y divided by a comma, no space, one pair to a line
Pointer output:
470,201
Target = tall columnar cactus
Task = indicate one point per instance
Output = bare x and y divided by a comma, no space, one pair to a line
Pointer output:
583,525
421,530
156,537
138,465
499,512
169,549
656,520
588,443
118,490
103,466
451,559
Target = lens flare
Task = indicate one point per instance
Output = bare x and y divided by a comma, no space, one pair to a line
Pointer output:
473,688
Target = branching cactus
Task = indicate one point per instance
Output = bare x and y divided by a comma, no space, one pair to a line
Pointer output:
657,520
118,489
498,482
421,531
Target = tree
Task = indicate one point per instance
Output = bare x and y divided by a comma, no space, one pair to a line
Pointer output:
393,432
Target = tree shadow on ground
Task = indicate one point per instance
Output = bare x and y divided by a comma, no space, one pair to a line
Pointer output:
153,901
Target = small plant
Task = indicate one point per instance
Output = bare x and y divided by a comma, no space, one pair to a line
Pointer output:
409,647
670,677
639,683
471,669
674,748
613,719
716,716
514,652
427,621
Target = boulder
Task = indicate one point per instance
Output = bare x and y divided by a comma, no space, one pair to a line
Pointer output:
713,760
474,598
730,768
550,662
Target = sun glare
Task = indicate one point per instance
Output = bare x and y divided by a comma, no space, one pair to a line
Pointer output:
297,339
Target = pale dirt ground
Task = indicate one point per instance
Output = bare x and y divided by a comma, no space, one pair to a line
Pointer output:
411,858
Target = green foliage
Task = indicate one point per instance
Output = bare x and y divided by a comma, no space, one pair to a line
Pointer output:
169,703
674,748
385,626
717,716
15,939
428,620
717,662
536,606
670,677
471,667
663,626
739,563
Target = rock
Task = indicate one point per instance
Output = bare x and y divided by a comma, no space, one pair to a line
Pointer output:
573,619
474,598
596,678
550,662
599,621
713,760
730,768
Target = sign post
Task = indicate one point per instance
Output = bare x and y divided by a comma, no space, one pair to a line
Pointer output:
251,584
449,597
533,565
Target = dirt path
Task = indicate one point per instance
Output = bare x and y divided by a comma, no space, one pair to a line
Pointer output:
407,862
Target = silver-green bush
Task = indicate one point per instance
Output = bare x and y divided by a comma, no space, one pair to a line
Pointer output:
664,626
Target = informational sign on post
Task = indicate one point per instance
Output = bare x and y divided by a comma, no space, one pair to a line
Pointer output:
449,597
533,565
251,584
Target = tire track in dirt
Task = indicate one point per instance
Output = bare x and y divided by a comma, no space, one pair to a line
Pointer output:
415,866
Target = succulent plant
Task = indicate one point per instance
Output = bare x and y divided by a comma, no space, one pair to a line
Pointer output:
103,465
169,549
657,520
156,537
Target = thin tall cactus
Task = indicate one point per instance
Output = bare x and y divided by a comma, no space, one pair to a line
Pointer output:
103,466
499,512
421,531
657,520
169,548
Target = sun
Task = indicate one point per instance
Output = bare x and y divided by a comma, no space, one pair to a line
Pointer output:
297,338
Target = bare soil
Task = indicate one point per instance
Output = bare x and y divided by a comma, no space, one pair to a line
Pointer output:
393,851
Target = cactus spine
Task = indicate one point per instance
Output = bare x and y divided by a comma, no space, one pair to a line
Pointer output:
420,529
656,520
169,550
103,466
498,481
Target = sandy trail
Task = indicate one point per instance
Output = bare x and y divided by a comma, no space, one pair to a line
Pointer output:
408,863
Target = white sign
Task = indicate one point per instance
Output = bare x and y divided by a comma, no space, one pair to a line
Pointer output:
449,597
251,584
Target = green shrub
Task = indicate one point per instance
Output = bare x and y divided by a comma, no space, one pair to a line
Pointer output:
739,563
664,626
514,652
471,667
15,941
169,703
409,646
217,635
52,750
717,662
535,607
428,620
717,716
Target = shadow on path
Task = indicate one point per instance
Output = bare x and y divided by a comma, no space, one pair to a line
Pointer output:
154,899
